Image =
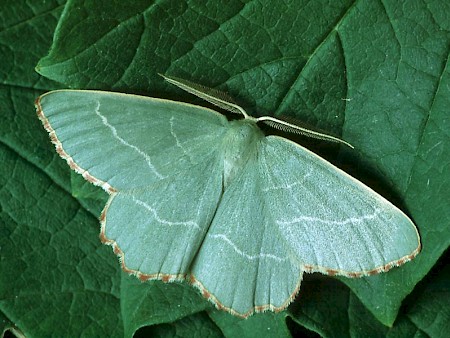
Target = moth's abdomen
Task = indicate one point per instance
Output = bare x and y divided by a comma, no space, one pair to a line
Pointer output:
239,145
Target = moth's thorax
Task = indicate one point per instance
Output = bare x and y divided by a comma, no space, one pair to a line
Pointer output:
239,146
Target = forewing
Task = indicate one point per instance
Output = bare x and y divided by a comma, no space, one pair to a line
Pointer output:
121,141
332,222
244,264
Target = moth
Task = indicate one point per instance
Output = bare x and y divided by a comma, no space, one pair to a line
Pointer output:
238,214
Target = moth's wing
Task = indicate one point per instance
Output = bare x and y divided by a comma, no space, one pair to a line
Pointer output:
289,212
125,141
244,264
159,159
332,223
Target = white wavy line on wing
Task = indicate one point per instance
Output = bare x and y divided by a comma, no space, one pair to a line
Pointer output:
242,253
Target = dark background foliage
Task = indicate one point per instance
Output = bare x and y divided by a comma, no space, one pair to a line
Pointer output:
376,73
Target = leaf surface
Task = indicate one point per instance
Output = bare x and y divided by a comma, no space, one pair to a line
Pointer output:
375,73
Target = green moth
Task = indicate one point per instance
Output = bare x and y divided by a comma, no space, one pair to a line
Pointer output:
196,197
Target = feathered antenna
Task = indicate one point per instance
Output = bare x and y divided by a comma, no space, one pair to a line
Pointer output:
290,125
214,96
224,101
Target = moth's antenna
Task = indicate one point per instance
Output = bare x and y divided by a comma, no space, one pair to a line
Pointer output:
288,125
211,95
224,101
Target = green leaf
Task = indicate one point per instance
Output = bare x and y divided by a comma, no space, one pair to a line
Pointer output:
19,22
155,302
52,260
430,311
388,59
261,325
409,96
197,325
